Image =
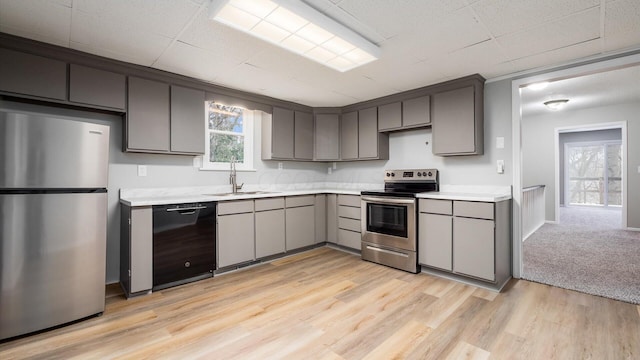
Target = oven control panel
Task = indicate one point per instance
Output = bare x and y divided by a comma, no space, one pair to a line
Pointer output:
411,175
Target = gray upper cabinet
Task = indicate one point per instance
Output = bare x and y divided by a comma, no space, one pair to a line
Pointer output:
416,112
368,133
349,136
96,87
278,135
148,114
187,120
327,137
390,116
458,122
371,143
32,75
303,130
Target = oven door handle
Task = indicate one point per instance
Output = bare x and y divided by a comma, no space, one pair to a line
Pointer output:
387,200
387,251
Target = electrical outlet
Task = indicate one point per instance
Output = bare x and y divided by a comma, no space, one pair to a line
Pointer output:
280,167
500,142
638,169
335,165
329,170
142,170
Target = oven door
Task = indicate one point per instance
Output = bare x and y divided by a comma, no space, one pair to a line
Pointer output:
389,221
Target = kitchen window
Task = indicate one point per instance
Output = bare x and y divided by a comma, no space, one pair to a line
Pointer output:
229,135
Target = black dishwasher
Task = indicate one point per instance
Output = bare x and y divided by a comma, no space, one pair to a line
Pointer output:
184,243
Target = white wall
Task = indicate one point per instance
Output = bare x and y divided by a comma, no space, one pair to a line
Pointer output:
407,149
538,162
164,171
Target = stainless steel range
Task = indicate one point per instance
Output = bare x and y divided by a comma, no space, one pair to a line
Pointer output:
389,227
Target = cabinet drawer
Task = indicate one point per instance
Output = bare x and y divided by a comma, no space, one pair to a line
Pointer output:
432,206
235,207
480,210
349,212
294,201
349,224
269,204
349,239
349,200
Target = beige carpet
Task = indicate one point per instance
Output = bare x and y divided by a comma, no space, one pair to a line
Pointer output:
588,252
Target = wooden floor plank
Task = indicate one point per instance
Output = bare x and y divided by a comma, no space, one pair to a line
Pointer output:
329,305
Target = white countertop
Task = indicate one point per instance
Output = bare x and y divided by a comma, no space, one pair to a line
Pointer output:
470,193
167,196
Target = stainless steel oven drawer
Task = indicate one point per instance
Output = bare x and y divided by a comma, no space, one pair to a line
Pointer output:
399,259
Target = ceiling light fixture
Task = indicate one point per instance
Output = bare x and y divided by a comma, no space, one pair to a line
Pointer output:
299,28
556,104
538,86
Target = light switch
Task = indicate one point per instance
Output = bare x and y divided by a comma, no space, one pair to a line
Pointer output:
500,166
500,142
142,170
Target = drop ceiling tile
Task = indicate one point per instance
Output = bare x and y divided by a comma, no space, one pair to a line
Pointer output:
129,40
194,62
163,17
389,19
574,29
622,24
38,20
558,56
508,16
133,59
212,35
484,57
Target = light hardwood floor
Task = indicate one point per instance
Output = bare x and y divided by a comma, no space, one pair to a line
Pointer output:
327,304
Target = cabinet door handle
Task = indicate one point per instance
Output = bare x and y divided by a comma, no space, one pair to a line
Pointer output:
187,209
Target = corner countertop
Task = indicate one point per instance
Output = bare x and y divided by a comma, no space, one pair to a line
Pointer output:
180,195
470,193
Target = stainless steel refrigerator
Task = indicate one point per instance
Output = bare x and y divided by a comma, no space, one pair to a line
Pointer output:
53,221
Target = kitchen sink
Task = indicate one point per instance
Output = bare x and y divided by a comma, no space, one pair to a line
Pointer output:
259,192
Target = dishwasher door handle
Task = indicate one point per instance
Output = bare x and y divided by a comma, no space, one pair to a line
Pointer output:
182,210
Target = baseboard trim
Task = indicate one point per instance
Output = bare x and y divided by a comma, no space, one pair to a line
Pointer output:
632,229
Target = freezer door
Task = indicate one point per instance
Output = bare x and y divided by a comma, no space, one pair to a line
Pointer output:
44,152
52,260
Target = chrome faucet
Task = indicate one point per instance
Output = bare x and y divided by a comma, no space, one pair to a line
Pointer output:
232,177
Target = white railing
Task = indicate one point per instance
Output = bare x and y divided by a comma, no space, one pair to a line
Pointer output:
532,209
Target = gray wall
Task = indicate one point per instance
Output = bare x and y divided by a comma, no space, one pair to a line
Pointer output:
582,136
538,150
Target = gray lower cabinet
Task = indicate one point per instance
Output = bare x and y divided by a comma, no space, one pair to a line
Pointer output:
349,226
269,222
97,87
349,136
235,238
300,219
148,116
468,238
332,218
457,122
435,240
327,137
32,75
187,120
303,136
473,246
136,249
320,222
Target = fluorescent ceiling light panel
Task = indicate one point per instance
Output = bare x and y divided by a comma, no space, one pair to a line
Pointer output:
299,28
556,104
